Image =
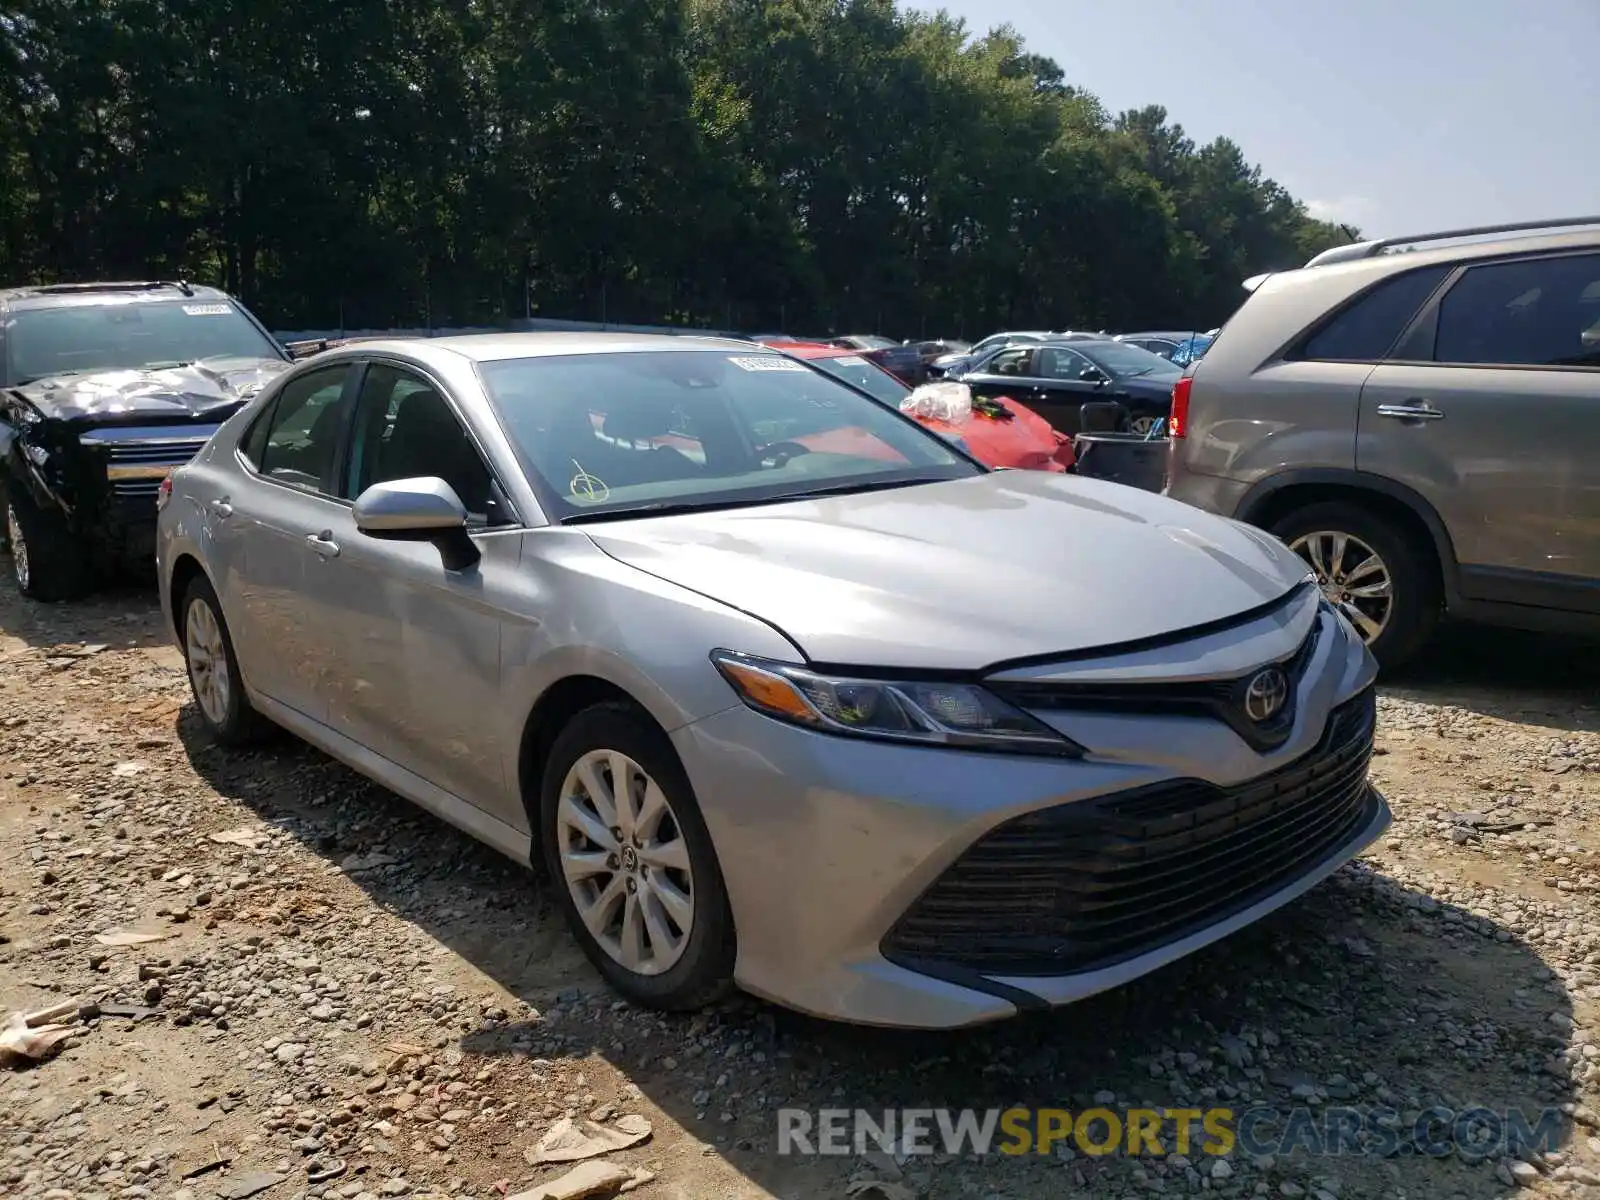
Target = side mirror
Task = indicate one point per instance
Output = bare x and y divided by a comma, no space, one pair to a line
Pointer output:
418,510
1092,375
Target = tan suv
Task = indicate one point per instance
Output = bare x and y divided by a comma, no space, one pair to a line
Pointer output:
1419,418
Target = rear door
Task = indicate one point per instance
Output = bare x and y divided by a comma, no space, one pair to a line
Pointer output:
1490,408
284,499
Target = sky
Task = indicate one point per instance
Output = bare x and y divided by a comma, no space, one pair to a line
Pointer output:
1398,116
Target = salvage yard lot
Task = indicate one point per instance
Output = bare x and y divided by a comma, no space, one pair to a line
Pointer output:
347,986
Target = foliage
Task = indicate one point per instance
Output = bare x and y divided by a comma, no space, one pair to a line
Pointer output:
812,165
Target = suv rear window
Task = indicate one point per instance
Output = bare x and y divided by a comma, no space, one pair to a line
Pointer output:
1367,327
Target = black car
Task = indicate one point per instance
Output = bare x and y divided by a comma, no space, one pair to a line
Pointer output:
104,389
903,362
1056,378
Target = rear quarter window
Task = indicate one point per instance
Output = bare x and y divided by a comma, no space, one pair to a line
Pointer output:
1366,328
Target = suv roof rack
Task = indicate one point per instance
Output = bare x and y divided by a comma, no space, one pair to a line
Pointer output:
1372,249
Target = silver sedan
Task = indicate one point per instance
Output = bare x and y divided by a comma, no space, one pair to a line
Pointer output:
779,689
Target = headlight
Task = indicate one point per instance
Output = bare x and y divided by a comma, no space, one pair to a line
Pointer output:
932,713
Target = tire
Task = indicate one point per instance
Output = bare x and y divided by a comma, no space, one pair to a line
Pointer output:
47,560
208,657
1415,594
684,972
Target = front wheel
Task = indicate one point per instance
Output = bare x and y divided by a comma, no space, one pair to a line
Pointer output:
47,560
1372,571
625,844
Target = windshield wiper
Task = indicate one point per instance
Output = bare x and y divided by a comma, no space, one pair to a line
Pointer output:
849,489
661,508
668,508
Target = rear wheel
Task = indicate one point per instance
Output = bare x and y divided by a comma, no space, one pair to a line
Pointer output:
47,560
625,844
213,670
1372,571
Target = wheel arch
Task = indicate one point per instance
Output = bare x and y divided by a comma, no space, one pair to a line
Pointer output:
1272,498
184,571
556,706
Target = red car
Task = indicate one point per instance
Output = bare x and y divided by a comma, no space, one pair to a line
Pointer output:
1023,439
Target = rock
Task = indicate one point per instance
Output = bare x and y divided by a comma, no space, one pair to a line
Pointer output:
247,1183
567,1141
289,1052
587,1179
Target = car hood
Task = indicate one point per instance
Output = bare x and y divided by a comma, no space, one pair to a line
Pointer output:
212,389
965,574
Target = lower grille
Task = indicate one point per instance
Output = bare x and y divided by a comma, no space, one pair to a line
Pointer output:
1085,885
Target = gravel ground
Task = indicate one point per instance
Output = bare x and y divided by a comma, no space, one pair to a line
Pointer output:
351,1001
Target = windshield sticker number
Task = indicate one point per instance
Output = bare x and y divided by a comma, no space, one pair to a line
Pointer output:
207,310
767,362
851,360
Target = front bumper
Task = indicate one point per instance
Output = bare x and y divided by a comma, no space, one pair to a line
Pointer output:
827,843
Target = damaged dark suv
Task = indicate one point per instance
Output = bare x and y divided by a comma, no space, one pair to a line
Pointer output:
104,389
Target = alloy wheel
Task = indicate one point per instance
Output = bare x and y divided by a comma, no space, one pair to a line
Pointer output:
19,548
208,662
625,862
1142,425
1352,576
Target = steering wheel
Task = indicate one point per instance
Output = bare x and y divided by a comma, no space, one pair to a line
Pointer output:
778,454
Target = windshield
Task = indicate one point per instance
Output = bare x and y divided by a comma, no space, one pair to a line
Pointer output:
679,429
79,338
858,372
1120,360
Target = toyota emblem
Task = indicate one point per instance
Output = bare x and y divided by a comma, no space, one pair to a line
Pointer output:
1265,695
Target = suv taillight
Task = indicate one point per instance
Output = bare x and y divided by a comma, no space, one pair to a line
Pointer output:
1178,423
163,493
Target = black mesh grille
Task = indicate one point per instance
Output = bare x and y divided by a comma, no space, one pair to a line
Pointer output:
1085,885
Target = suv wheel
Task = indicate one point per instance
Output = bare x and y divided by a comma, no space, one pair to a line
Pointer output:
47,561
1372,572
625,844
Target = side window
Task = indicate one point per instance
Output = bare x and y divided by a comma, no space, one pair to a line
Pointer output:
1366,329
301,438
406,430
1539,312
1056,363
1016,361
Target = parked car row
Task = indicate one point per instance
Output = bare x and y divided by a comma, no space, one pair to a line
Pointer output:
709,628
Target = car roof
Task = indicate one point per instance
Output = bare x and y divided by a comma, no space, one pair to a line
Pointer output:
79,295
1078,343
816,350
496,347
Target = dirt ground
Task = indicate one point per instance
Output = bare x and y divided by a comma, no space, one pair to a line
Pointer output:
350,1000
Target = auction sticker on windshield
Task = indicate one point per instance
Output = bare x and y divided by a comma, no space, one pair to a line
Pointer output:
207,310
766,363
851,360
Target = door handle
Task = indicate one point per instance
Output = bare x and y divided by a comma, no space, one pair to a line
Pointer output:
1411,410
221,509
324,544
